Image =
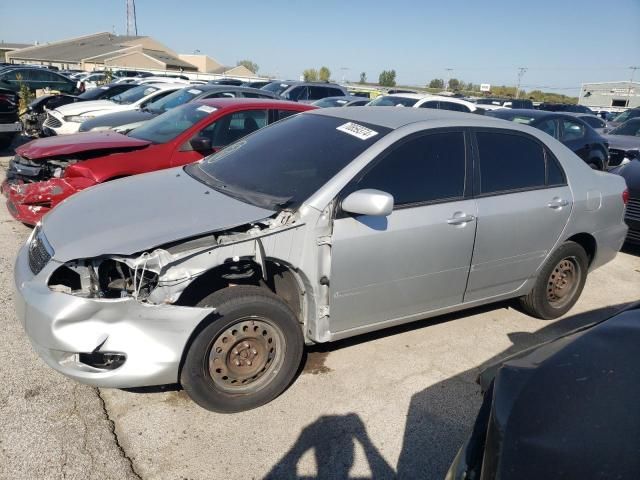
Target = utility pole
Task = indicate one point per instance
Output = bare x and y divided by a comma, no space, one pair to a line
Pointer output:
521,72
633,72
132,26
344,69
448,70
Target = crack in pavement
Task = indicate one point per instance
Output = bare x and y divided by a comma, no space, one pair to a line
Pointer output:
112,429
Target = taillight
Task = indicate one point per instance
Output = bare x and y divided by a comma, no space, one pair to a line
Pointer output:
625,196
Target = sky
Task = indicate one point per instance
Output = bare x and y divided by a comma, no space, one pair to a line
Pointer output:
562,44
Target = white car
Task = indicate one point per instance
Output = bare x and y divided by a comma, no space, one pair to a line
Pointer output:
419,100
147,80
67,118
92,80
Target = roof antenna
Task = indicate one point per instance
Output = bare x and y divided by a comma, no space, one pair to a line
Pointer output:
132,26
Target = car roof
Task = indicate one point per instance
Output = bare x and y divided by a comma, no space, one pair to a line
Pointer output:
396,117
221,103
164,86
211,87
529,112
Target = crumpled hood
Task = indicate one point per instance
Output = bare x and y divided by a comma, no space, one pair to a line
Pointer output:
81,108
622,142
116,119
76,143
139,213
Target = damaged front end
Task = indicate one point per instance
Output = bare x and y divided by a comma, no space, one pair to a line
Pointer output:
162,275
29,202
24,170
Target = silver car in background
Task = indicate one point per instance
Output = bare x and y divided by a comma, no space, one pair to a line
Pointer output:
325,225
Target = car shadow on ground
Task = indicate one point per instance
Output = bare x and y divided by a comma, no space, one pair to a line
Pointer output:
438,421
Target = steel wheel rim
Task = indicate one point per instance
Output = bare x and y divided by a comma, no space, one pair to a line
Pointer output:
246,355
563,282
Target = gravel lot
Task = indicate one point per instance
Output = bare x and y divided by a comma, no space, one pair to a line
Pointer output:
395,404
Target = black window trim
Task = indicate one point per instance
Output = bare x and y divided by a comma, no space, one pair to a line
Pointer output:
467,192
547,153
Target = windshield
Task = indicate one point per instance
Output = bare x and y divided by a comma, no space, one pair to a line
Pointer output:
133,95
632,128
623,117
390,101
169,125
330,102
93,93
284,164
276,87
173,100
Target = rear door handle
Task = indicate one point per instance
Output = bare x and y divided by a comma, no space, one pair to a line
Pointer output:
460,218
557,203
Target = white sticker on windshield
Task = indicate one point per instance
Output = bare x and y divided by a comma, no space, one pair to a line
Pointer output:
104,88
193,91
207,109
363,133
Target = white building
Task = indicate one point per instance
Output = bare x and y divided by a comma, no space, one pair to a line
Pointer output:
610,95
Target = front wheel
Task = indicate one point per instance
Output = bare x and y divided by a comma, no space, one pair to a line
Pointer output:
249,353
559,283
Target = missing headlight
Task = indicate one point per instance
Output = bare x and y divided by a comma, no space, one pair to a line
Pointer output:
103,278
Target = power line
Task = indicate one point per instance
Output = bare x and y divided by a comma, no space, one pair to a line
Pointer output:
521,72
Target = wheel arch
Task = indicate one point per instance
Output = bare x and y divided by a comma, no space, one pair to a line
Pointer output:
586,241
212,280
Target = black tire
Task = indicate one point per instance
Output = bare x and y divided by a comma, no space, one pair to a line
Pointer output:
249,353
596,162
568,261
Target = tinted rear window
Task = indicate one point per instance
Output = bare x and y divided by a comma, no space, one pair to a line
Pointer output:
509,162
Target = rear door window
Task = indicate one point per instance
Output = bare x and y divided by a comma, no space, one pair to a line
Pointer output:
509,162
316,93
455,107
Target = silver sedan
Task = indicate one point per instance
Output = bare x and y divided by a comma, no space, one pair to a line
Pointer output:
325,225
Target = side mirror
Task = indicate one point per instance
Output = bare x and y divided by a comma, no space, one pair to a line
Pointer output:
368,202
201,144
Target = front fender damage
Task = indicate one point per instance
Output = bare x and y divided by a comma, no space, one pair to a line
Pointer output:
161,275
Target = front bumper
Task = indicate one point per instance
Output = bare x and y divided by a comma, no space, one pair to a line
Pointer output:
60,326
29,202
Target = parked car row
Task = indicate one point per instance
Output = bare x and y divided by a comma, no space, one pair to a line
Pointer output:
215,270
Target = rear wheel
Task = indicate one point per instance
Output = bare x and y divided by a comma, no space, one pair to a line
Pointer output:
559,283
247,355
6,140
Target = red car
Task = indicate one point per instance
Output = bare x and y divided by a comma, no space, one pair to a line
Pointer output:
46,171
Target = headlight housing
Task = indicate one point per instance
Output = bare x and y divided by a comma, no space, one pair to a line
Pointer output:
78,118
104,277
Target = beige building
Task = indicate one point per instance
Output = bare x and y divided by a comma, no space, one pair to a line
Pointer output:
10,47
207,64
102,50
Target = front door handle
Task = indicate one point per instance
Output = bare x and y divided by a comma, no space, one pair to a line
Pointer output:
460,218
557,203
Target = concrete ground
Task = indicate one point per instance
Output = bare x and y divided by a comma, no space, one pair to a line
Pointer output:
396,404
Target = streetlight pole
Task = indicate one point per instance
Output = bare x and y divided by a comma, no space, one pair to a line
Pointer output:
448,70
633,72
521,72
344,69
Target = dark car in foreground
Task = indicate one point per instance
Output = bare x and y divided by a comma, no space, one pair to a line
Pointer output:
566,409
10,124
570,130
37,110
128,120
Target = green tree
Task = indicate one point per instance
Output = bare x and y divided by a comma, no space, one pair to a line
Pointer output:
310,75
363,77
324,74
248,64
387,78
25,95
108,77
454,84
436,83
